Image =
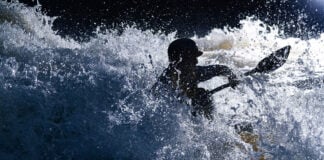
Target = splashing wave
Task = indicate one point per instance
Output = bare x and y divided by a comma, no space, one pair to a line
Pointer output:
66,99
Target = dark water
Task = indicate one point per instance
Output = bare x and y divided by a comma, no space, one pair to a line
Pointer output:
301,18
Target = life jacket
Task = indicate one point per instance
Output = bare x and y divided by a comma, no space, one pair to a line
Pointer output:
185,87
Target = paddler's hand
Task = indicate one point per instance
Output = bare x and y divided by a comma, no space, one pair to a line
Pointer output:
234,81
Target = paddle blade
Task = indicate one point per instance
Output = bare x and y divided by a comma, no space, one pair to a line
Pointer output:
268,64
273,61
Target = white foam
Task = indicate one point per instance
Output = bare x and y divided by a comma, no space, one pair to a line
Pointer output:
258,99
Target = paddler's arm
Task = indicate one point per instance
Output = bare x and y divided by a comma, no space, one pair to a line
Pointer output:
204,73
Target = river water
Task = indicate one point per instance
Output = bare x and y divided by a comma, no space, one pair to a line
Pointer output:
64,99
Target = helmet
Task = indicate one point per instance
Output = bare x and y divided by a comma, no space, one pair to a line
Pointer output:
183,48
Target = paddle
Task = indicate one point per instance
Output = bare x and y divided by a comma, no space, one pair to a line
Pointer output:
266,65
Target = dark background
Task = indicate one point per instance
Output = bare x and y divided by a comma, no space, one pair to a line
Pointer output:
79,18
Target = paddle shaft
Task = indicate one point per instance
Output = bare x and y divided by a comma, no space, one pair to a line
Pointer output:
220,88
230,84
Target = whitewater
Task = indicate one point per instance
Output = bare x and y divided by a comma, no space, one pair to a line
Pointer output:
64,99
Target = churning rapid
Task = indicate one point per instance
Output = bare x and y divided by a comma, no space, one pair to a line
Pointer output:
63,99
